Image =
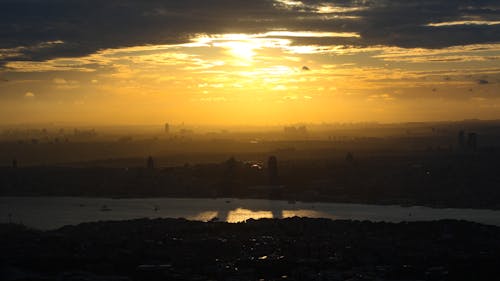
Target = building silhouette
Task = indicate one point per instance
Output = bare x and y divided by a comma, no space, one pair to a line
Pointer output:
150,163
231,165
472,141
167,128
461,139
295,130
349,157
272,167
14,163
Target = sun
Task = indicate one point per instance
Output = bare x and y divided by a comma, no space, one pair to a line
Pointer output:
240,46
242,50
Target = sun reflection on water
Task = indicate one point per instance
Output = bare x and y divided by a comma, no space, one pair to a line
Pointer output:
242,214
306,213
204,216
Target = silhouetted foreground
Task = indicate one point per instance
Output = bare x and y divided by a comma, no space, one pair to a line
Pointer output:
288,249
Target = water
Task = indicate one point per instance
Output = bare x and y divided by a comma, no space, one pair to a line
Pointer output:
54,212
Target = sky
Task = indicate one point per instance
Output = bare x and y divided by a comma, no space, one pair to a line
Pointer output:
241,62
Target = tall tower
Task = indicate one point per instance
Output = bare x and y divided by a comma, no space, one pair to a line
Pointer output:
349,157
472,141
461,139
150,163
167,128
272,166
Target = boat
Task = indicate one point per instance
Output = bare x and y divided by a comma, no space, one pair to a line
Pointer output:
105,208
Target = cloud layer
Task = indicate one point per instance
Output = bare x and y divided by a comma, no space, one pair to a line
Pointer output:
36,30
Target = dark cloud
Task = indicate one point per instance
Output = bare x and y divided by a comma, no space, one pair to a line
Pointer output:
85,26
482,82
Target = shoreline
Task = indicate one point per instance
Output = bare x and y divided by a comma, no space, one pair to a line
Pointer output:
350,202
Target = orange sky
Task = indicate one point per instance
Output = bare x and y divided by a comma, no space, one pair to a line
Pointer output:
260,78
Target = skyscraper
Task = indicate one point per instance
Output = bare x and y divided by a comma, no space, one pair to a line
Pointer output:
150,163
461,139
272,166
472,141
